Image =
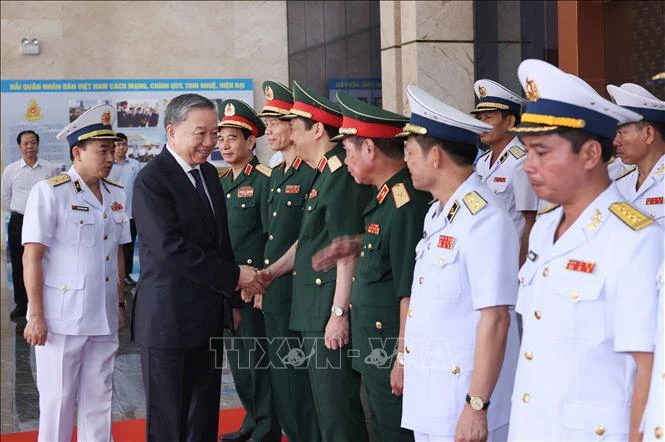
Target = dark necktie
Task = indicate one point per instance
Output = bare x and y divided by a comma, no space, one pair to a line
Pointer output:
196,173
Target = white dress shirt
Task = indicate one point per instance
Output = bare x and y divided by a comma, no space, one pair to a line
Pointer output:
187,168
19,178
649,197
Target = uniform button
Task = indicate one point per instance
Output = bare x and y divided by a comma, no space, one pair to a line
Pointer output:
378,325
249,261
546,272
288,203
81,222
455,370
294,273
317,281
279,190
106,236
63,287
653,215
369,246
410,313
107,258
107,279
658,432
442,260
522,280
272,189
243,205
266,261
270,237
105,216
350,306
537,314
228,195
353,279
599,430
526,398
309,208
407,349
421,280
274,214
574,295
528,355
362,254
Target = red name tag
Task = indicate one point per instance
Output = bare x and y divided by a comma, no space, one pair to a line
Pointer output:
292,189
373,229
246,192
654,200
313,194
580,266
499,179
446,242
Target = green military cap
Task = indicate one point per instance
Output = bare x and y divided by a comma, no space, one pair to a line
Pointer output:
364,120
240,115
279,99
308,104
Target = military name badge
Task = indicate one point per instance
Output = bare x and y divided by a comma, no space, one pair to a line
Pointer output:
446,242
294,188
80,208
499,179
580,266
245,192
655,200
116,206
313,194
373,229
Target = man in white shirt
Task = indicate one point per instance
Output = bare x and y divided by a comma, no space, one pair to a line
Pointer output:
17,180
124,171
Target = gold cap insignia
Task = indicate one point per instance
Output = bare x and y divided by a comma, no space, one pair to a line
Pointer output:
106,118
531,90
34,112
269,94
482,91
229,110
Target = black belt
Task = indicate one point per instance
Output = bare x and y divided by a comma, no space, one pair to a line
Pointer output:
16,214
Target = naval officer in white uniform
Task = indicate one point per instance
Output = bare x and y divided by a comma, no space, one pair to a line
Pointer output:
653,426
73,228
642,145
500,168
461,340
587,295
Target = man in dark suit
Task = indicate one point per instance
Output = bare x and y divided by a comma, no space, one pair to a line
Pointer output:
189,279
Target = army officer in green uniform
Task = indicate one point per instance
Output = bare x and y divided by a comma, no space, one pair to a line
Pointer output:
319,309
289,183
246,187
384,272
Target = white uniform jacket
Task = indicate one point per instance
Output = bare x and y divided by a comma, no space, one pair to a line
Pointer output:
586,303
466,261
649,197
654,415
515,194
80,265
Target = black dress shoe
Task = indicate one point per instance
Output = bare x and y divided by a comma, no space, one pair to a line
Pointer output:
129,280
240,435
19,311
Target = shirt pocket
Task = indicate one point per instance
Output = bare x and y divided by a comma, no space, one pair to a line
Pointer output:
64,296
81,229
371,267
449,381
245,213
581,309
443,281
595,421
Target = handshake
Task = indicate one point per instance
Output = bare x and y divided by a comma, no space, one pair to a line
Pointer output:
253,283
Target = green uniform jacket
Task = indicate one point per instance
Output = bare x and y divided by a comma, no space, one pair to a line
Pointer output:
247,212
333,208
393,226
288,190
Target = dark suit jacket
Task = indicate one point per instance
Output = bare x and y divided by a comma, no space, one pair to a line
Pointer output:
188,272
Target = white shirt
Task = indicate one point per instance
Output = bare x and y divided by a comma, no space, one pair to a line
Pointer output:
587,301
80,265
654,414
516,195
615,167
464,263
187,168
649,197
19,178
125,173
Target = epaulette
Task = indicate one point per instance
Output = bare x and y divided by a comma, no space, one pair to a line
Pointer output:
548,208
334,163
62,178
630,216
517,152
113,183
625,173
267,171
400,195
474,202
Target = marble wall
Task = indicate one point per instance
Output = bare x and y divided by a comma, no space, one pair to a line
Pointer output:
429,44
144,39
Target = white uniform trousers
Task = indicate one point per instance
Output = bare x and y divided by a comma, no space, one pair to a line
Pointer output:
70,370
497,435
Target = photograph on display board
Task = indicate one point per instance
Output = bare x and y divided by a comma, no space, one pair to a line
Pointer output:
144,147
77,107
138,113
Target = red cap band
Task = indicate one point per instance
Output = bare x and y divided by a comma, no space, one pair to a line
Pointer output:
319,114
279,103
371,130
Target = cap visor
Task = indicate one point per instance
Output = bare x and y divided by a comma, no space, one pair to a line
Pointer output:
485,109
288,116
526,128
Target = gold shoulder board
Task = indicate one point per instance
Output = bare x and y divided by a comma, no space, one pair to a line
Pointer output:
517,152
625,173
630,216
474,202
267,171
59,179
400,195
334,163
547,208
113,183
